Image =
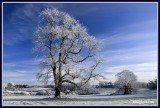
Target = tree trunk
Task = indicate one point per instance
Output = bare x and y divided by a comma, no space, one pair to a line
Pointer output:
57,93
58,85
126,90
58,89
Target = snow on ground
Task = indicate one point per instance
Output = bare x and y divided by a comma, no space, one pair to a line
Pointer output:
142,97
35,89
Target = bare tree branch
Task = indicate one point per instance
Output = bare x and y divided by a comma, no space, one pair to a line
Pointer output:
68,81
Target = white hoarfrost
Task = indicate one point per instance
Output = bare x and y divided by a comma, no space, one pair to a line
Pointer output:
126,77
142,97
64,42
126,81
17,92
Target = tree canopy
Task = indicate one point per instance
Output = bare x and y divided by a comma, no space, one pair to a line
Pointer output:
66,45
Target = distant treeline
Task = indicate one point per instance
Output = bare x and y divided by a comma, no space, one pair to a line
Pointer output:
152,85
104,84
28,86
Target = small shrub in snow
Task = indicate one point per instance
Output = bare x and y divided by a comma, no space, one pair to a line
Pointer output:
6,94
62,94
87,90
104,84
41,93
152,85
141,85
68,88
10,92
25,93
16,93
10,86
20,86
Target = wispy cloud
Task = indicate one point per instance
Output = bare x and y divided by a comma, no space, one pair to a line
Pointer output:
133,48
23,76
139,67
131,57
22,22
20,78
24,19
14,54
21,63
132,33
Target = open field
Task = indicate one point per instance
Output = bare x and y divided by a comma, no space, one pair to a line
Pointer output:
141,97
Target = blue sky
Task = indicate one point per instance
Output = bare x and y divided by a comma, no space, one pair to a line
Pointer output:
129,32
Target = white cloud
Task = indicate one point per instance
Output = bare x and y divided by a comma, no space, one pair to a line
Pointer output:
23,63
131,57
20,77
144,71
141,67
22,22
10,64
141,58
123,38
134,32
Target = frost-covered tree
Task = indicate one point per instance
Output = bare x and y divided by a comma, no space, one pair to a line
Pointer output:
152,85
4,87
126,81
11,86
66,47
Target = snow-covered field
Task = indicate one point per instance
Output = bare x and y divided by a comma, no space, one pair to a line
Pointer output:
141,97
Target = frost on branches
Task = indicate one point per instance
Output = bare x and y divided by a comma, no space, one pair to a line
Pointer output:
66,46
126,81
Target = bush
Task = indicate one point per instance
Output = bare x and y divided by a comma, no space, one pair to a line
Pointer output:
48,86
21,93
41,93
44,92
87,90
104,84
4,87
152,85
126,81
10,86
21,86
68,88
141,85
